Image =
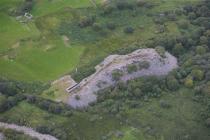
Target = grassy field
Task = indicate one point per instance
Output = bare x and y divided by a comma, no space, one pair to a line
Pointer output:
44,7
36,51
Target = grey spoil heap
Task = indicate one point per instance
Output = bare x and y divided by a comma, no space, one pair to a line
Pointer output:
84,93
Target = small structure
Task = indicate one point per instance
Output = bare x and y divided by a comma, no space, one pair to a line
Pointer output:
25,18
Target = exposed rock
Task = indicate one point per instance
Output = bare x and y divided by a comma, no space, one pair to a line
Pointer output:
87,88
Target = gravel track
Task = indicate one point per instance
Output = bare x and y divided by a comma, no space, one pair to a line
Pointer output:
27,131
1,136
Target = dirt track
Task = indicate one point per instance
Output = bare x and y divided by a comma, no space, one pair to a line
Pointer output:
1,136
27,131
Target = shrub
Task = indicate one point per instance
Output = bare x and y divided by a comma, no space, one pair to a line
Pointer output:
206,89
97,27
83,72
207,76
183,24
159,20
44,129
198,90
55,108
203,40
26,7
108,9
208,122
171,17
10,134
144,65
192,16
123,5
128,30
197,74
131,68
164,104
3,101
149,5
77,97
189,82
172,83
183,39
116,75
138,93
8,88
140,3
188,8
179,11
111,26
86,21
200,50
178,49
31,99
160,50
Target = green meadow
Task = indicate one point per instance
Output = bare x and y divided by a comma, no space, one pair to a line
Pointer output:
36,51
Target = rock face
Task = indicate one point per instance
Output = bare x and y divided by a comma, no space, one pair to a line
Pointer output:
84,92
27,131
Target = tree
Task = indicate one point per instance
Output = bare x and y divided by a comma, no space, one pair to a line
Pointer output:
160,50
189,82
178,49
137,92
203,40
200,50
192,16
203,11
172,83
197,74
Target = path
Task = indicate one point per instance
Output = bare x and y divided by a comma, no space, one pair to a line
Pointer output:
1,136
27,131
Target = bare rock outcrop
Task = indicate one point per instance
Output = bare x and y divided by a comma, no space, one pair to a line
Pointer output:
84,92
